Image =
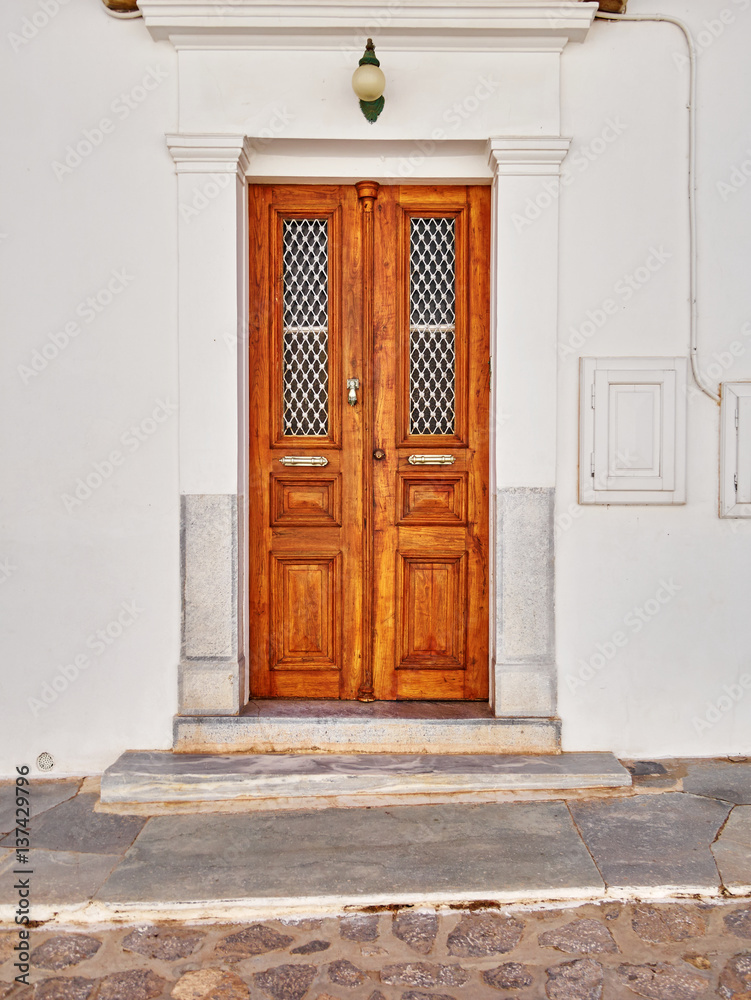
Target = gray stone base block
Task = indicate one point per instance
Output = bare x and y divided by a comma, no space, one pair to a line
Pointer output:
525,691
212,674
525,676
366,733
163,777
207,686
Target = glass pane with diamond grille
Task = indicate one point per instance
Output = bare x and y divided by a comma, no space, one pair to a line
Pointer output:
432,326
305,327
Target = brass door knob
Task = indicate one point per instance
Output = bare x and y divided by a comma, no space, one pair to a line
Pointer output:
379,454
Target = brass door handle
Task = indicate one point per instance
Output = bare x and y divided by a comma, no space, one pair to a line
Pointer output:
431,459
379,454
304,460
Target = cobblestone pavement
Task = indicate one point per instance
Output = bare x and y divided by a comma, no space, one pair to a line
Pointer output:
673,951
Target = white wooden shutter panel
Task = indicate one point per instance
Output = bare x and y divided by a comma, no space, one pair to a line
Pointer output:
735,450
632,438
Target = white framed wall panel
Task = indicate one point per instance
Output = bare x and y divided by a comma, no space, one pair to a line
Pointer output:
632,444
735,450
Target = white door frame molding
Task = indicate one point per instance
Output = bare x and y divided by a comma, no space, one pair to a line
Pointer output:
212,176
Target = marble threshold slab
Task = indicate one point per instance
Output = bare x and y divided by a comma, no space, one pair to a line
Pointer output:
165,777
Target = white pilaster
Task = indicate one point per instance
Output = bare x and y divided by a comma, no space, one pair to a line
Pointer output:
524,313
212,307
524,320
212,322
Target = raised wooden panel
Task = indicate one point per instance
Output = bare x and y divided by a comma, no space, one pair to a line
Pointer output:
305,501
432,605
306,610
444,685
432,499
300,683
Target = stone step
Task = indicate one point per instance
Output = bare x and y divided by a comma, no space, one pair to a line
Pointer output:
300,726
162,777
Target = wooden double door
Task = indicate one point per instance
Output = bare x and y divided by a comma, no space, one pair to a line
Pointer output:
369,394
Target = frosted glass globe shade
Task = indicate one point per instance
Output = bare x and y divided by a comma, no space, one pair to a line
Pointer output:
368,82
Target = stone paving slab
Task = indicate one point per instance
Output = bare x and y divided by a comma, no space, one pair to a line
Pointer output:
74,826
606,951
732,851
719,780
481,851
59,876
653,841
46,794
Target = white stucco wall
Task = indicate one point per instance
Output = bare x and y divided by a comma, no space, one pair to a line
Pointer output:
70,569
657,694
69,566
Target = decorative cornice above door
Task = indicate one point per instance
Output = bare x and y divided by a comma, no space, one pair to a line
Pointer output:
408,24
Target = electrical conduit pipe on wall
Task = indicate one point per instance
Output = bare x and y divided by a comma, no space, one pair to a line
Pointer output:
693,348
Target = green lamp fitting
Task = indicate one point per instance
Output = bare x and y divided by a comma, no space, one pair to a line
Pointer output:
369,82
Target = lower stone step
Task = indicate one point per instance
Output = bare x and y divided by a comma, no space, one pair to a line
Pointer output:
162,777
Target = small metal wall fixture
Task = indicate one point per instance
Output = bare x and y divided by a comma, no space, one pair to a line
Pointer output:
369,83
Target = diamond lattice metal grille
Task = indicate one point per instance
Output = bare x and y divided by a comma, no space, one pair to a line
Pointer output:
305,327
432,326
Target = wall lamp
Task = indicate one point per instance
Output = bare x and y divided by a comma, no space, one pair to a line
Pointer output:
122,8
368,83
